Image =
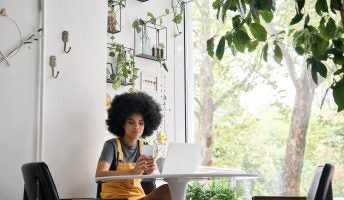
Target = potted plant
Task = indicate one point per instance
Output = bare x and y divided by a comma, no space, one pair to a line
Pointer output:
140,25
123,70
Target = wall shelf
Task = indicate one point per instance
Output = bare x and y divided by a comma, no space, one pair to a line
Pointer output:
151,42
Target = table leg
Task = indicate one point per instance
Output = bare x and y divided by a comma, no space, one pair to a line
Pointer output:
177,188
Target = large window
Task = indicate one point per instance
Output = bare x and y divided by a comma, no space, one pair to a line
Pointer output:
241,109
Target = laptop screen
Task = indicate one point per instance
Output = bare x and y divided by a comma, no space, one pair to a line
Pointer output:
181,158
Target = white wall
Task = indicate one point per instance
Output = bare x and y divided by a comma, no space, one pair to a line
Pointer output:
61,121
18,96
74,101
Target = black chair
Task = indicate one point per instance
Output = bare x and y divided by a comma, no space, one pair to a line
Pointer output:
38,182
320,189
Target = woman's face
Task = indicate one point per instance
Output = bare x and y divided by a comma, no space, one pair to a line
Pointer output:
134,126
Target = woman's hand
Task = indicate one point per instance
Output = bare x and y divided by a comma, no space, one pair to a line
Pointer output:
150,165
144,164
140,165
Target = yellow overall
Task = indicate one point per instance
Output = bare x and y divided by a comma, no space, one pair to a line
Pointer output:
123,189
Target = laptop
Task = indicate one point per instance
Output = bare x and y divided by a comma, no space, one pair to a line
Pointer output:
181,158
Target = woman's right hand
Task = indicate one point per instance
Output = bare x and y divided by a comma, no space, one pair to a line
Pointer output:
140,165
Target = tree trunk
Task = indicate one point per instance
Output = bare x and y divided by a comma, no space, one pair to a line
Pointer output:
207,111
205,81
293,161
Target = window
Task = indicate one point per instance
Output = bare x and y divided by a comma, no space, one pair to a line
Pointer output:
240,110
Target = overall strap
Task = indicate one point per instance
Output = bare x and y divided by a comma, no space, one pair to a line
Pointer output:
119,148
140,146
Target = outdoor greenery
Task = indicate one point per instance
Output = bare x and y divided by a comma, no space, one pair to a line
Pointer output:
214,190
319,42
246,109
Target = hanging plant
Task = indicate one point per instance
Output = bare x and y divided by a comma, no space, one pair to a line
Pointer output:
124,71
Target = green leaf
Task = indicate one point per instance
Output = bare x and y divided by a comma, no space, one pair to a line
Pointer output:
236,22
338,59
252,45
265,52
299,50
317,67
300,4
335,5
330,29
177,19
233,5
218,13
258,31
116,84
112,54
164,66
240,40
338,94
318,46
210,47
229,39
149,14
135,24
221,48
321,6
112,76
267,15
306,20
339,44
167,11
278,55
264,4
224,9
296,19
217,4
339,71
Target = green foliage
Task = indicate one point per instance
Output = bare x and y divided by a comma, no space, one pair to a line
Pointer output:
216,190
338,94
320,43
125,68
121,3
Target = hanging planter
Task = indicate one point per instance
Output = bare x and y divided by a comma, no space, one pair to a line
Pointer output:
114,17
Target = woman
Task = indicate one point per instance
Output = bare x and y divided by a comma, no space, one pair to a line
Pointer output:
131,116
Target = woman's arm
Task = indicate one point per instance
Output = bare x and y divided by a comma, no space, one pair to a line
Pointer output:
103,168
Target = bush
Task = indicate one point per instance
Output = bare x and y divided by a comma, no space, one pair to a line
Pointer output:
216,190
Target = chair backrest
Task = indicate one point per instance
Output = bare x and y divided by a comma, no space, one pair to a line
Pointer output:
38,183
321,186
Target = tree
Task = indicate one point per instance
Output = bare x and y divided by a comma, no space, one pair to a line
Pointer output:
208,96
319,45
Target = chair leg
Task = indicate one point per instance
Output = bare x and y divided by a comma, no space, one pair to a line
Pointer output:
25,194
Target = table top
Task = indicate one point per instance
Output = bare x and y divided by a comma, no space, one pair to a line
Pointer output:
201,173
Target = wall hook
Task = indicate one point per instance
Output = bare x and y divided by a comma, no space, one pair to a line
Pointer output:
52,63
65,39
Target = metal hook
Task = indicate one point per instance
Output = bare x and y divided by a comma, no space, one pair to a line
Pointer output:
52,63
65,40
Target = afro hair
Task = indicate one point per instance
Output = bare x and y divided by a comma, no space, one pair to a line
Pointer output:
126,104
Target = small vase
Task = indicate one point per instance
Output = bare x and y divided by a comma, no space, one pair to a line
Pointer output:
112,20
